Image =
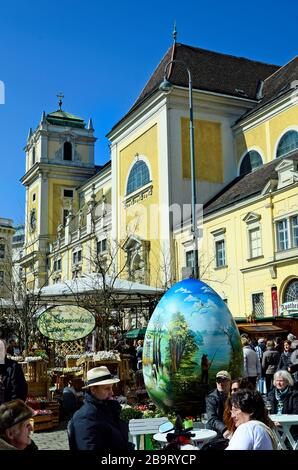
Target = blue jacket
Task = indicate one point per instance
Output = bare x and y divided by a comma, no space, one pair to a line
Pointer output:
97,426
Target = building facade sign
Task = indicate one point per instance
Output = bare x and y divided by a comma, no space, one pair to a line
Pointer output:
289,308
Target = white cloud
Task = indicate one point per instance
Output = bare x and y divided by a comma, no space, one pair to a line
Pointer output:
190,298
207,289
183,290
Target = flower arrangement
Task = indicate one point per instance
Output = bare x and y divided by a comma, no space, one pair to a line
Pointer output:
128,413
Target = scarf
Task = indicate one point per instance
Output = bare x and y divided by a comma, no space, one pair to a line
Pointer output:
281,394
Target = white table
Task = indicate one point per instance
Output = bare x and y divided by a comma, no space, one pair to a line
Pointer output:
285,421
201,436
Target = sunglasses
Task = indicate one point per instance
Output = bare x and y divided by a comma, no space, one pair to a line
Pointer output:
220,380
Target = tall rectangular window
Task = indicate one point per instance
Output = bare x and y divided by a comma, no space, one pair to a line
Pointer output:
189,260
255,242
77,257
282,235
101,245
65,215
2,251
258,304
294,224
1,277
220,252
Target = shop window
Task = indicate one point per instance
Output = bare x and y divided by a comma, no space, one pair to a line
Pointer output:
291,291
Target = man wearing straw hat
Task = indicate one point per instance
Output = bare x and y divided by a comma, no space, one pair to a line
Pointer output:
97,425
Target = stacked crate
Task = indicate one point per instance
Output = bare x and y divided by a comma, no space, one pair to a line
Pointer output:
55,409
35,373
43,422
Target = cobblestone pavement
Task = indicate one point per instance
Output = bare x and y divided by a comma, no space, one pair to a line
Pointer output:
55,439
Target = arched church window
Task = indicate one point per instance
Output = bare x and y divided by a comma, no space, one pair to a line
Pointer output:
67,151
291,292
287,144
250,162
138,176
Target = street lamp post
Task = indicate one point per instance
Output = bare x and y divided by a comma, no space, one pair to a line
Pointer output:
166,86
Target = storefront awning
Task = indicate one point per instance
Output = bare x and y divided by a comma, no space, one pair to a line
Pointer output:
137,333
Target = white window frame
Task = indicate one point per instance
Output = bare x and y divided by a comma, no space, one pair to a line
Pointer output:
99,243
75,256
218,237
289,218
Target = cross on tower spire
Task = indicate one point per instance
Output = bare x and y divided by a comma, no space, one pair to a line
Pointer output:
60,96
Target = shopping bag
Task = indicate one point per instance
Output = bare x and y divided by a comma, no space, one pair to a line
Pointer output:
261,386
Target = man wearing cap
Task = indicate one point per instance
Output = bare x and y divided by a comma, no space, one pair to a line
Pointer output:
215,402
12,381
15,425
97,425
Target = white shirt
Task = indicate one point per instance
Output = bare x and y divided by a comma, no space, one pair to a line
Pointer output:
250,436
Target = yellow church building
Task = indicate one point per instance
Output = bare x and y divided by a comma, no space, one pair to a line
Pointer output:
131,216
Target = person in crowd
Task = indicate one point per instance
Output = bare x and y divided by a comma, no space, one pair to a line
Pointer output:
252,424
260,348
12,381
11,347
283,396
278,344
294,341
239,383
252,366
97,424
269,363
285,357
70,400
294,365
215,402
139,354
15,426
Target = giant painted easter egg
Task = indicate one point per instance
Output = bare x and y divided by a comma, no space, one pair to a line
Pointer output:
190,337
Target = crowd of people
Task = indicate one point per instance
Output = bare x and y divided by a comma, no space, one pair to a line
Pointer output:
238,408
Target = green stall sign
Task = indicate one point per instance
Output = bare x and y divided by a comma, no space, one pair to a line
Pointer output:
66,323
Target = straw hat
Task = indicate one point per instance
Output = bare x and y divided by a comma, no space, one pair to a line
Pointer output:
100,376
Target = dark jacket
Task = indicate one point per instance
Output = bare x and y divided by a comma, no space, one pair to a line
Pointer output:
97,426
284,361
214,408
13,381
270,361
290,402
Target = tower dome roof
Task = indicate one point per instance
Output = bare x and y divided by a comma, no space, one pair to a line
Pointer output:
62,118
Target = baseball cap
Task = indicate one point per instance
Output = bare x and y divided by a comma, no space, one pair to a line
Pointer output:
291,337
223,374
261,340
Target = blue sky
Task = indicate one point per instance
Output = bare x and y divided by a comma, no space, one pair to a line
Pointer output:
100,55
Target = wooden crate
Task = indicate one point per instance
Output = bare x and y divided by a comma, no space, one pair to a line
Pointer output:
42,422
35,371
70,362
38,389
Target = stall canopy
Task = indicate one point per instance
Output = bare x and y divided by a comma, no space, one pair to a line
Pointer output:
262,330
137,333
